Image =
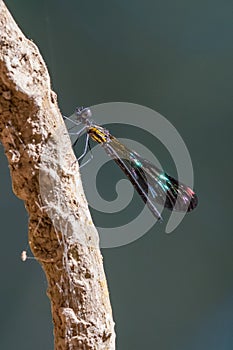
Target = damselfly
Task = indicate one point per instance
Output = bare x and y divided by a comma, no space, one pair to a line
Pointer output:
153,185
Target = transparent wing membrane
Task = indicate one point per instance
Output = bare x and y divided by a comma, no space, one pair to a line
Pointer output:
153,185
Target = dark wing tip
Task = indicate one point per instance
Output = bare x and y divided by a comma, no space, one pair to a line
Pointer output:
193,202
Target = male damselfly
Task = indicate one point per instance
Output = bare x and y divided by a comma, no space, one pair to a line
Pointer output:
153,185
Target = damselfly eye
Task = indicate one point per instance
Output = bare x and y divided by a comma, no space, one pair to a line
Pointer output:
84,112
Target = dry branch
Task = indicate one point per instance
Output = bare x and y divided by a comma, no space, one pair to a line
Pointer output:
45,176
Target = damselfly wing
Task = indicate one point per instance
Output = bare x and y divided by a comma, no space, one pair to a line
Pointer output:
153,185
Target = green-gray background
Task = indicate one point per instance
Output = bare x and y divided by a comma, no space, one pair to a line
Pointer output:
168,292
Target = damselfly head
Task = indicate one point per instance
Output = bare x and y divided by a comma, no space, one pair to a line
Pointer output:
83,113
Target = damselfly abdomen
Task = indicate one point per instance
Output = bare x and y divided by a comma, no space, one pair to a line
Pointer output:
153,185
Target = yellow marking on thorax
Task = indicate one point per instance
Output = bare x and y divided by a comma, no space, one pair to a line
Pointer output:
98,135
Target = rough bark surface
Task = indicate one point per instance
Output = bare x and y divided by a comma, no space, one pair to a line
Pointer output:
45,176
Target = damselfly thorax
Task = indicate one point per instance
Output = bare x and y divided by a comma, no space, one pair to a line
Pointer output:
99,134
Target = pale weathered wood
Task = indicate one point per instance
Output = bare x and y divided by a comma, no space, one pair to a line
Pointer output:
45,176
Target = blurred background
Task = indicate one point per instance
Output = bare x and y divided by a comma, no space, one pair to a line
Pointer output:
168,292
